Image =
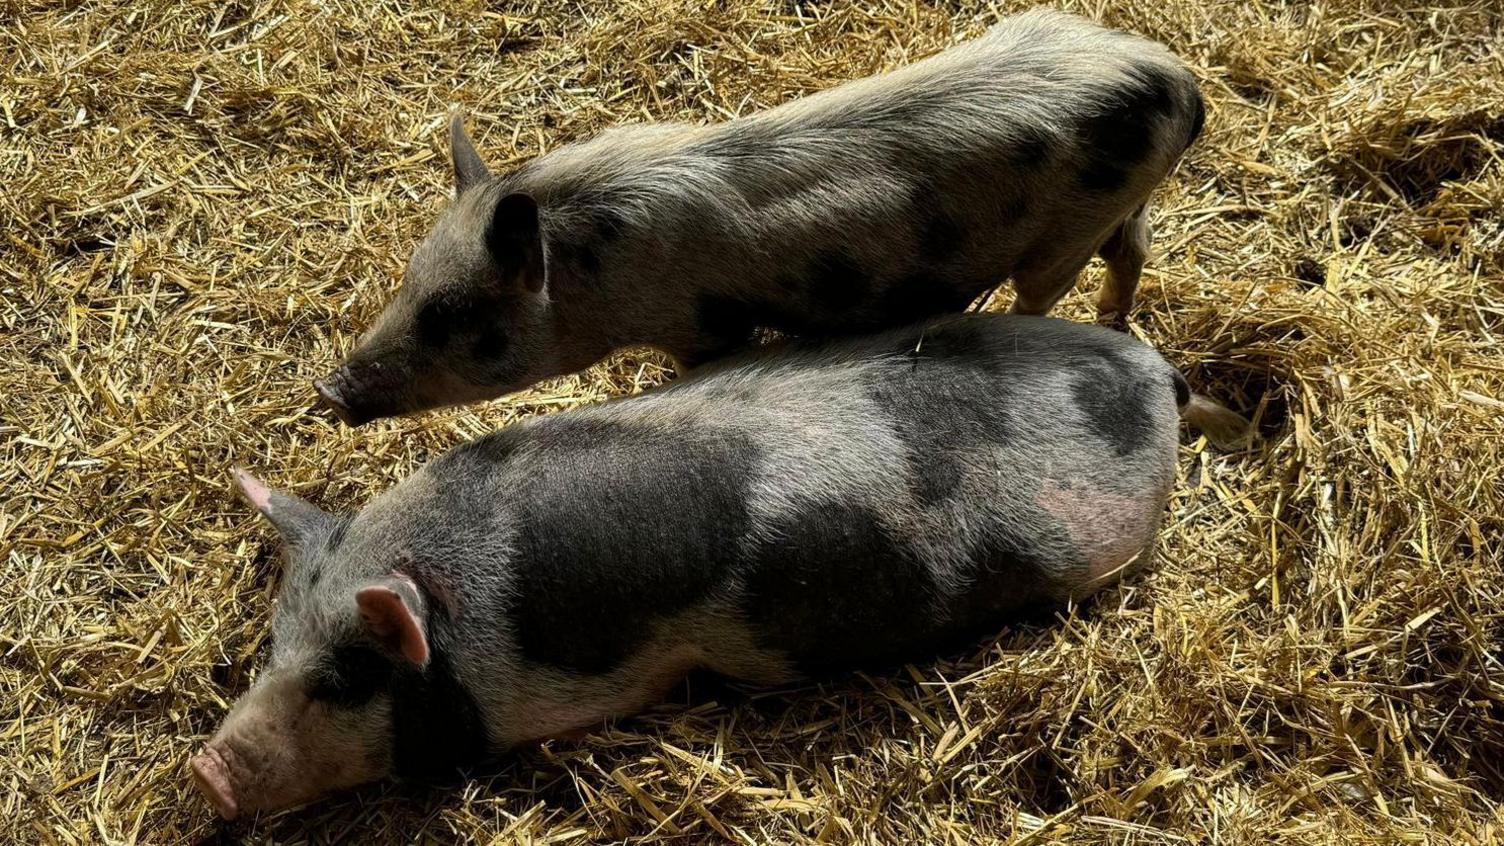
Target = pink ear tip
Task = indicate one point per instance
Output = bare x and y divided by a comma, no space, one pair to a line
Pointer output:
254,489
374,595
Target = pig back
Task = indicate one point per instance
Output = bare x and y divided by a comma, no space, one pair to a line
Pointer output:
833,506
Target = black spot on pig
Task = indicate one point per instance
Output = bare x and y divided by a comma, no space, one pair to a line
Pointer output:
832,590
436,725
836,283
1115,398
1122,135
939,234
1005,579
1031,146
435,322
453,319
649,531
350,676
951,412
451,314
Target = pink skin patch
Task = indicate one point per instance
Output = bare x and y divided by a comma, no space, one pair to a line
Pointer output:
1110,530
253,489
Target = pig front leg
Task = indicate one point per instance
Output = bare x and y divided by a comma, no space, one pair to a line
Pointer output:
1125,251
548,701
556,703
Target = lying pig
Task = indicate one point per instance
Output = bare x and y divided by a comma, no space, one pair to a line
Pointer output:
873,205
791,513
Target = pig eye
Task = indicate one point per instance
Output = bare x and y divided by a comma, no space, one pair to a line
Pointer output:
353,674
448,317
436,320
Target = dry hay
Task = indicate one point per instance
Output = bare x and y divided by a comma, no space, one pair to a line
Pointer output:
204,202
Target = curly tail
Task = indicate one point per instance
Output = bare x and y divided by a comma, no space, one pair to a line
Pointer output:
1227,430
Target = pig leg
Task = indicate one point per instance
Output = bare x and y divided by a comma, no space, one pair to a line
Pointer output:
679,363
1124,251
686,360
691,354
1038,289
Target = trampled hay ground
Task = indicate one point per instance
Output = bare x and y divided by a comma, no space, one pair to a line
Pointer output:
203,203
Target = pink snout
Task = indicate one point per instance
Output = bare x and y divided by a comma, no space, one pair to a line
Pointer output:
213,778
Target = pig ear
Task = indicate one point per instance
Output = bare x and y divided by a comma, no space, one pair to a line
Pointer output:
390,611
296,519
515,239
469,169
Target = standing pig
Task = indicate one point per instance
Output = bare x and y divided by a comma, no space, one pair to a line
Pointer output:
792,513
869,206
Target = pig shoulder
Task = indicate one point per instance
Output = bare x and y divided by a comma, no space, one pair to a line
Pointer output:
614,522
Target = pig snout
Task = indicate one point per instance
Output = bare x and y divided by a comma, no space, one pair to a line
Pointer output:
361,391
212,776
251,774
279,748
259,771
332,398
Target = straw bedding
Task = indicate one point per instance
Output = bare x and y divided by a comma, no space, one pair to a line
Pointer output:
203,203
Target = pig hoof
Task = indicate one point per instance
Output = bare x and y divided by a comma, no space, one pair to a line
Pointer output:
1113,319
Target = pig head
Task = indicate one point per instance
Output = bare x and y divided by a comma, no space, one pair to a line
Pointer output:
322,714
472,319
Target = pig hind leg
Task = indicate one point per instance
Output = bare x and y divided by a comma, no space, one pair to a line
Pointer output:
1040,287
1124,251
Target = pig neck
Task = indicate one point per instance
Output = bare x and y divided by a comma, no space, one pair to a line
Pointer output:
618,306
633,236
584,331
436,724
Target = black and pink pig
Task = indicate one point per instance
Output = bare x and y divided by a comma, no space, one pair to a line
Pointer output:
1020,154
785,514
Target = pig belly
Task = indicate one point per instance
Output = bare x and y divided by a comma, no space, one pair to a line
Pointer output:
561,704
566,706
